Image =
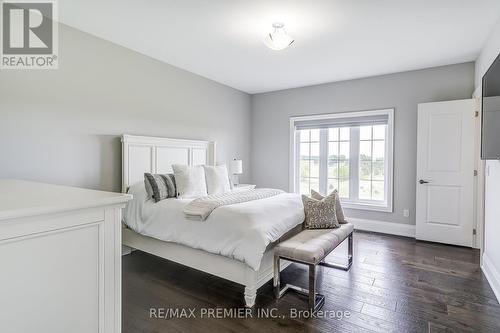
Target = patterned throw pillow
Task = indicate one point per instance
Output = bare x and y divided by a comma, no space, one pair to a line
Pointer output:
320,214
338,206
159,186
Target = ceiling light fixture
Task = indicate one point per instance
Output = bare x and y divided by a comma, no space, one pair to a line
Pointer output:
278,39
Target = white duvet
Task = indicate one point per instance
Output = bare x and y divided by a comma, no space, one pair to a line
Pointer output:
241,231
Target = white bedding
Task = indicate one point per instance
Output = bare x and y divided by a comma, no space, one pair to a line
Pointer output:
241,231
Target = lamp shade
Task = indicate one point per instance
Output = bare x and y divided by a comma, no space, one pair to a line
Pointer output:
236,167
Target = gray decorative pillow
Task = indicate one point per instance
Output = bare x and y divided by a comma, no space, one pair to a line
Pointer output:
320,214
159,186
338,206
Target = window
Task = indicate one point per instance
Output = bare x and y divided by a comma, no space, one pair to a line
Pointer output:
309,160
338,160
350,152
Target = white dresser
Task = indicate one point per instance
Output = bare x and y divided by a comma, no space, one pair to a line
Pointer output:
60,259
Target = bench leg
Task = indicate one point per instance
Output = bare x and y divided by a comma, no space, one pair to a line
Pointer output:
312,286
350,246
316,301
349,257
276,278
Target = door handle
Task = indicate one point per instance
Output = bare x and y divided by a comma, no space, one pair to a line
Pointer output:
421,181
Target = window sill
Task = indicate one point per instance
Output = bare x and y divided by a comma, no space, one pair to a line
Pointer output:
366,206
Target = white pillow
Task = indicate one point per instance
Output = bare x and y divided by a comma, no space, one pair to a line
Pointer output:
190,181
217,179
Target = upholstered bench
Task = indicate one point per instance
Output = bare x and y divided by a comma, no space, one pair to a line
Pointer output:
310,247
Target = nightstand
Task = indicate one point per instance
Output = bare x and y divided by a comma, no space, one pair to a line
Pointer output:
243,187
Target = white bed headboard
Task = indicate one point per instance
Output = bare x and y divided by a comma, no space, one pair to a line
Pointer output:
142,154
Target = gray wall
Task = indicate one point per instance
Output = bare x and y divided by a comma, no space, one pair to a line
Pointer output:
402,91
63,126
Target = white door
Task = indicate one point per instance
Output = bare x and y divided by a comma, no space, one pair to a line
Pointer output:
445,172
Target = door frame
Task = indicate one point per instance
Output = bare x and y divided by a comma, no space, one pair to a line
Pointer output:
479,180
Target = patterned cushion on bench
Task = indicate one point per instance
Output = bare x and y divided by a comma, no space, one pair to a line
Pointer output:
320,214
338,206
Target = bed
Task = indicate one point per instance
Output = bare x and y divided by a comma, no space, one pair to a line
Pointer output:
242,254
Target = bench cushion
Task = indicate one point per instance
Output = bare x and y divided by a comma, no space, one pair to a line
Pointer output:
312,246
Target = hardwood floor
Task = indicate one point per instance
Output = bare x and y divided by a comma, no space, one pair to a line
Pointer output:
396,284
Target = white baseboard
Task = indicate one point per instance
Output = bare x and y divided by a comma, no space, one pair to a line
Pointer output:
492,275
384,227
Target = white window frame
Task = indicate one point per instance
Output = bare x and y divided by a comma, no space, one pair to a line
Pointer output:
386,206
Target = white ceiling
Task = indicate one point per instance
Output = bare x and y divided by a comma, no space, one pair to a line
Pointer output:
334,39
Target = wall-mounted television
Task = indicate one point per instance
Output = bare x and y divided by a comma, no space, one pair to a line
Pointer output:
490,128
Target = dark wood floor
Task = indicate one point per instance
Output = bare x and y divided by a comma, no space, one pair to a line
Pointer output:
396,284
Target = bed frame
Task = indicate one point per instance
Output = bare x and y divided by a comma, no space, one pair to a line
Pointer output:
156,155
